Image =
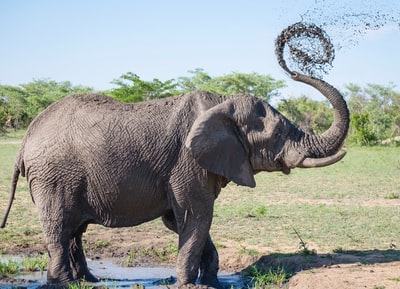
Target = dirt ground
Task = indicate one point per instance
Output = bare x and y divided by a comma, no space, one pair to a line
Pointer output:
357,269
375,269
355,275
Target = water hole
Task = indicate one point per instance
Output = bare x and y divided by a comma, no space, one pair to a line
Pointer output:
115,276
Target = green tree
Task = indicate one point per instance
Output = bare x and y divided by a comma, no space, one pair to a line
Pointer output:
3,113
263,86
27,100
199,80
41,93
132,89
386,103
310,115
376,110
363,132
13,106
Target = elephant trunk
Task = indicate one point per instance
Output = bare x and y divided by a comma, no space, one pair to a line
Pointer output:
322,150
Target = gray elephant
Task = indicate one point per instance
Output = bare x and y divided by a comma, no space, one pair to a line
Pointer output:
89,159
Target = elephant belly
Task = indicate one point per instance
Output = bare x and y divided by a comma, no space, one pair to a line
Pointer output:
132,208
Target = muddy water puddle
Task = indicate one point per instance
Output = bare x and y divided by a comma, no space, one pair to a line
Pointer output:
115,276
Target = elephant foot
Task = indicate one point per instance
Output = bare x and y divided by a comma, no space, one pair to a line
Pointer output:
83,273
203,283
89,277
211,282
52,284
65,281
195,286
60,279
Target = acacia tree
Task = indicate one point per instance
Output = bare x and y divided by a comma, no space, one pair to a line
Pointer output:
263,86
13,106
199,80
40,93
26,101
133,89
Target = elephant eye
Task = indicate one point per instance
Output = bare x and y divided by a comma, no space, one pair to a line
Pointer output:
278,133
259,125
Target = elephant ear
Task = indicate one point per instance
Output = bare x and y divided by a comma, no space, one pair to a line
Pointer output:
216,144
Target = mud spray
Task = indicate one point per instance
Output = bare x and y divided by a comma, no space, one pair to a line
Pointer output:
306,44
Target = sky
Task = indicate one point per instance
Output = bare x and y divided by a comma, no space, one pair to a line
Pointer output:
92,42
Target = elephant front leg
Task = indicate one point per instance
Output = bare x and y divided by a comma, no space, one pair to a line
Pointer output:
209,265
193,234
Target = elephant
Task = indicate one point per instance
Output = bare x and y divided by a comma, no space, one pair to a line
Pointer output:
89,159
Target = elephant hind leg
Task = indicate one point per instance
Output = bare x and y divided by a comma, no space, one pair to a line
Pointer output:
51,214
59,217
77,257
59,270
67,262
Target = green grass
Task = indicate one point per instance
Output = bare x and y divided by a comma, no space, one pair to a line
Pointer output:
102,244
345,205
263,278
12,136
352,205
34,263
80,285
23,227
9,268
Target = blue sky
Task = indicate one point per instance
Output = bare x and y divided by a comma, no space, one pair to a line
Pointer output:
93,42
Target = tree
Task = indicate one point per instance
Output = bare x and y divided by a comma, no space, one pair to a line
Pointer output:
376,111
363,132
133,89
13,106
310,115
40,93
26,101
3,113
263,86
199,80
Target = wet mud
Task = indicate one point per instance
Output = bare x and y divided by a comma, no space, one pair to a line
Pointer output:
114,276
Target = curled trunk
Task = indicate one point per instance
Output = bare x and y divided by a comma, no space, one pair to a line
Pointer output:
322,150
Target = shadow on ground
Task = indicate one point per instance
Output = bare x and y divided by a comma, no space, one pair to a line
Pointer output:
296,262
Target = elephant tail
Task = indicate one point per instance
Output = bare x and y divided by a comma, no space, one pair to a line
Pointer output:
12,195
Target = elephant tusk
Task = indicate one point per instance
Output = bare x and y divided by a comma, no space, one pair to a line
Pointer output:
321,162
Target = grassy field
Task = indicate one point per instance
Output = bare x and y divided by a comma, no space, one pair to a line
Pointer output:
352,205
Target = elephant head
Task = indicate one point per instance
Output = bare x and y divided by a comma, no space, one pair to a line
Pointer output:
244,135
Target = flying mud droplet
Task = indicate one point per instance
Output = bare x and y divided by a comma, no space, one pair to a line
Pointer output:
307,47
349,22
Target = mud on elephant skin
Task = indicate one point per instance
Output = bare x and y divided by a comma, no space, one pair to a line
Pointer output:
89,159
